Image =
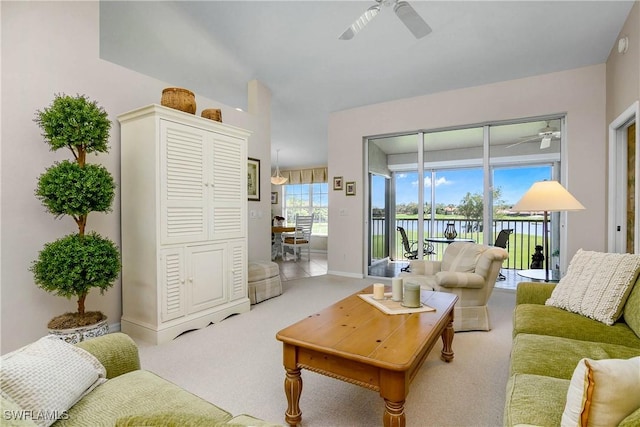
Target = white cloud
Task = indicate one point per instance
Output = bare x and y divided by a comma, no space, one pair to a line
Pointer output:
427,182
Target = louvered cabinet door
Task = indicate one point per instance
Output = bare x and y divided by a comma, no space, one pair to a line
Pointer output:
173,284
183,183
238,269
229,195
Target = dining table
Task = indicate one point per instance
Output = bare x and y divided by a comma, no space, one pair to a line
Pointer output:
276,231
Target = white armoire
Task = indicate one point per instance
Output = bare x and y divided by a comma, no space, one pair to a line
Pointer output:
184,222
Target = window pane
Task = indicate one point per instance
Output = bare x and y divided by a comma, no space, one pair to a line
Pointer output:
305,199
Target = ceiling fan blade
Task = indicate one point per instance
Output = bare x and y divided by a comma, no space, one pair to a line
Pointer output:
545,142
409,17
517,143
360,23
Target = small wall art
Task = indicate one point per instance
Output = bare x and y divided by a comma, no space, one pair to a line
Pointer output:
274,197
337,183
253,179
350,188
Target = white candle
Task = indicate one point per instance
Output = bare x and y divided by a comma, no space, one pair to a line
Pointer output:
396,289
378,291
411,295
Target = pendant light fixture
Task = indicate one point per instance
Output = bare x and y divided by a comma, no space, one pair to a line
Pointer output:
278,179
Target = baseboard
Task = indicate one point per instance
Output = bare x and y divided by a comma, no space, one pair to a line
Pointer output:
346,274
114,327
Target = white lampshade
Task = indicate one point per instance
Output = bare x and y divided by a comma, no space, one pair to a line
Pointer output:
547,196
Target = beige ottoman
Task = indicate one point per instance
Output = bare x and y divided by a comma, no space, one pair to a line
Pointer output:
264,281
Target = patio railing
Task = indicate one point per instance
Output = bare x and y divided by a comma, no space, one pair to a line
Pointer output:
527,233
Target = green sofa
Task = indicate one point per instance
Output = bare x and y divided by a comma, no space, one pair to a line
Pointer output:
548,343
133,397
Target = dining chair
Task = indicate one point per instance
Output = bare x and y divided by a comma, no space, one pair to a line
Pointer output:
300,238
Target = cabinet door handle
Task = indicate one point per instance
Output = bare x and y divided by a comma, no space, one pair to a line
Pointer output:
182,281
206,184
191,279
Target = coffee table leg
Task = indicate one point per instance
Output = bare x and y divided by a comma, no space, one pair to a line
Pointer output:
447,341
393,414
293,390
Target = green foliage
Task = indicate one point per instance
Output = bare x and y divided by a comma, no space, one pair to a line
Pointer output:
72,265
68,189
471,205
76,123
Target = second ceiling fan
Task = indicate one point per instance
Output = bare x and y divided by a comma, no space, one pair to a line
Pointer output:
545,135
407,14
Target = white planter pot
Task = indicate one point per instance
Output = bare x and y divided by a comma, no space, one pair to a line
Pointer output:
82,333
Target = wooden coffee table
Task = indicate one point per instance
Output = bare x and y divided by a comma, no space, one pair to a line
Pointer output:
356,342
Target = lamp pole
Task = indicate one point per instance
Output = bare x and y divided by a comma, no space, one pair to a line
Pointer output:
546,246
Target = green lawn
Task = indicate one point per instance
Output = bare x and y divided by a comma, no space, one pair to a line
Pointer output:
519,256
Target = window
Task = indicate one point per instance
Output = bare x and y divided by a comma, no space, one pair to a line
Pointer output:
305,199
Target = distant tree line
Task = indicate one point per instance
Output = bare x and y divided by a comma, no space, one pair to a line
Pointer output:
470,207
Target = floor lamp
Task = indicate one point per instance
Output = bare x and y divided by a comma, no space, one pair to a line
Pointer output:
547,196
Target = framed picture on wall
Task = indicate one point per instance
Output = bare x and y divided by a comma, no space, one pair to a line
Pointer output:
350,188
274,197
253,179
337,183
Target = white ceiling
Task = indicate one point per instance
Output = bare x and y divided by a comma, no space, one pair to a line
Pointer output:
215,47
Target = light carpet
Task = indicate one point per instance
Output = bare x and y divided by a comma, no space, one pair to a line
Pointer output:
237,365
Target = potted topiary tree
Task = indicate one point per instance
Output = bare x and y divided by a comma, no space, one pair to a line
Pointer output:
72,265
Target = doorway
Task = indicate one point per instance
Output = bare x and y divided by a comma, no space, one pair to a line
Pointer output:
623,187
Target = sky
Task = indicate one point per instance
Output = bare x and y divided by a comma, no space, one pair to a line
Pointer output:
452,185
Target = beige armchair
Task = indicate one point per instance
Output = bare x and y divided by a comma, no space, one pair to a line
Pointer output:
468,270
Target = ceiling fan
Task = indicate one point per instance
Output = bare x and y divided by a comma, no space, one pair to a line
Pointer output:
407,14
545,135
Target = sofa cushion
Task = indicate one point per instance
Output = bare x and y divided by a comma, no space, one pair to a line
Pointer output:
632,420
49,376
631,310
534,400
545,320
462,257
187,419
602,392
138,393
168,419
561,362
597,285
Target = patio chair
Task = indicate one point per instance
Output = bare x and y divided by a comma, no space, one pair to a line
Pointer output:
300,238
411,248
502,241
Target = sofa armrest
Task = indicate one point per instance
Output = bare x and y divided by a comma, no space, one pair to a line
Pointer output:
117,352
424,267
452,279
533,292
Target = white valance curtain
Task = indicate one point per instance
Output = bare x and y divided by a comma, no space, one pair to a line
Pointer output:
306,176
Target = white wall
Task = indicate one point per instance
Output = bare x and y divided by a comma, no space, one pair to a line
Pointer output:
623,70
53,47
579,93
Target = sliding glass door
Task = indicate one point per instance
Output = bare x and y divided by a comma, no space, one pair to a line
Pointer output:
467,177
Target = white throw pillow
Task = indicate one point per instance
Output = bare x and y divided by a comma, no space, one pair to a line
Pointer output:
602,393
596,285
48,377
